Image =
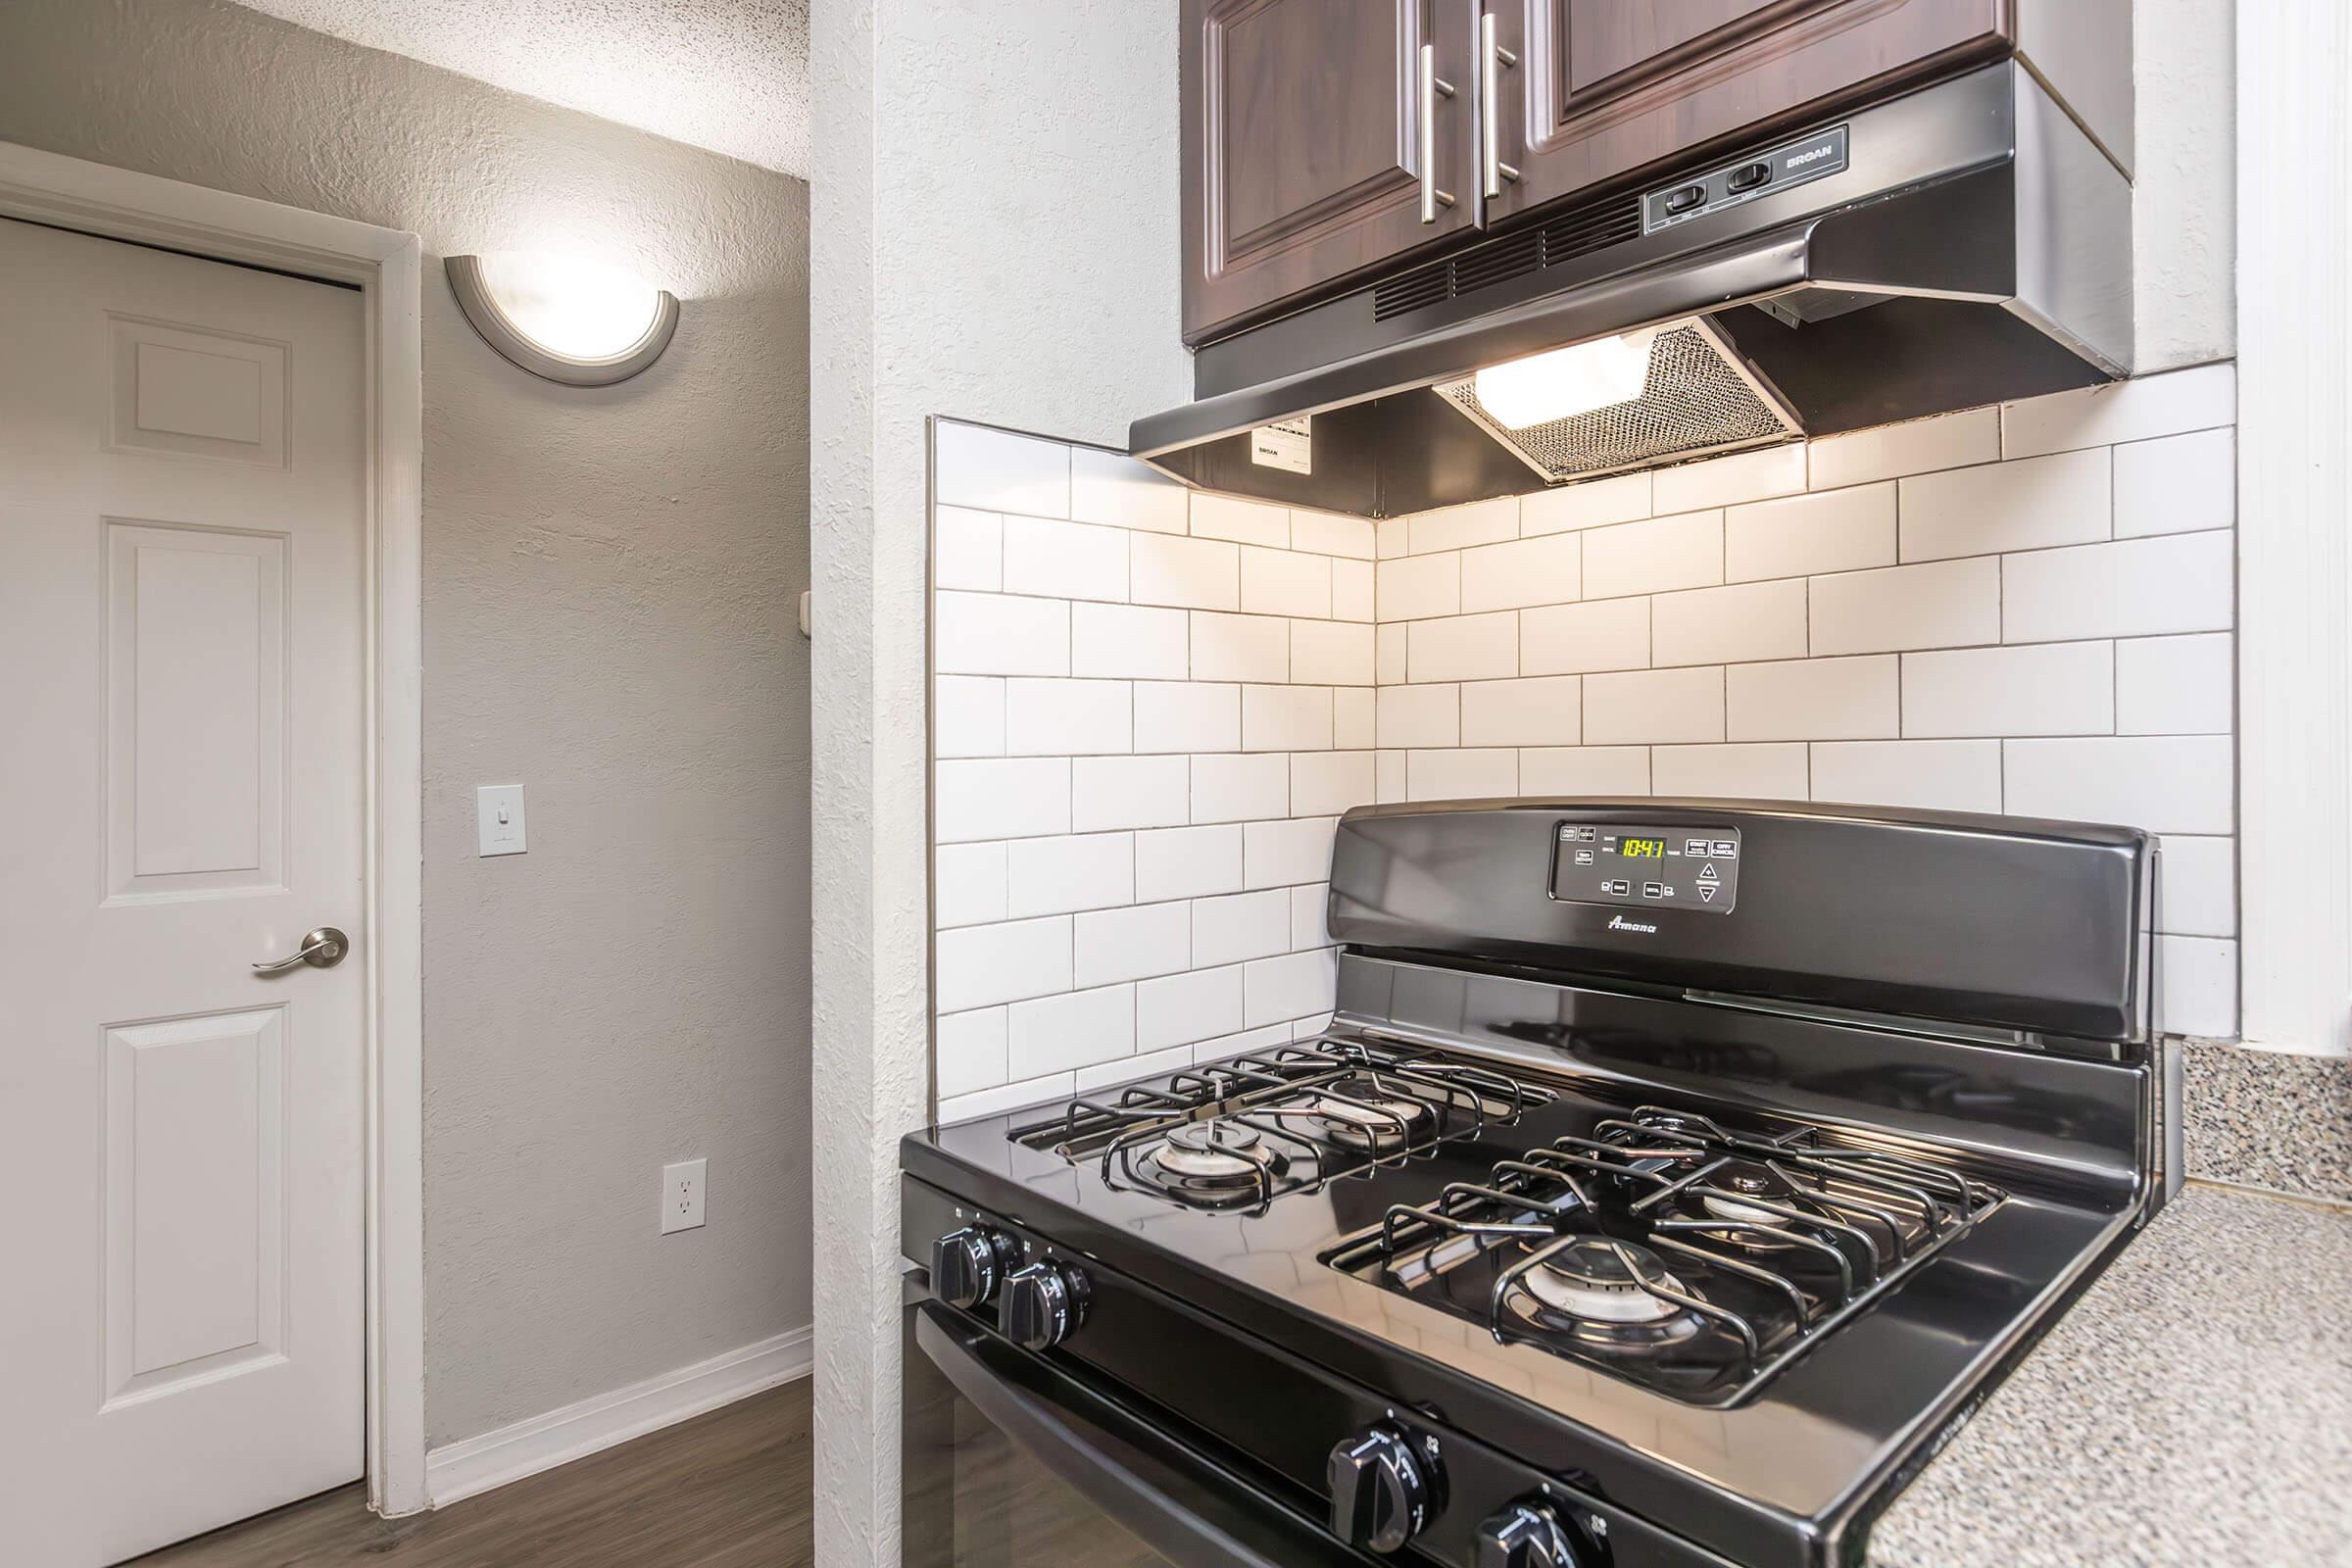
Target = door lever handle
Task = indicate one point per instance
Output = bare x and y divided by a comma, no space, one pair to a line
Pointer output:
322,949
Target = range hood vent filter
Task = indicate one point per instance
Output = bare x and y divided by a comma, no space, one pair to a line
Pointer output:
1697,398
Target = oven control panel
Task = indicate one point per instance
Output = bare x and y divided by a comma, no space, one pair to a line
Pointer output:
1647,867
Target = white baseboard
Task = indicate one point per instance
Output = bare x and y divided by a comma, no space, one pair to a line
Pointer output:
544,1442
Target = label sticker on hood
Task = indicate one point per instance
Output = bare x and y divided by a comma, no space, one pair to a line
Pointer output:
1289,445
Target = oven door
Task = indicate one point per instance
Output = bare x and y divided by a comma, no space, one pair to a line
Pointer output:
1011,1463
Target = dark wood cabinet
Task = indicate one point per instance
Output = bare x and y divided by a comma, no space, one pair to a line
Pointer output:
1308,133
1602,89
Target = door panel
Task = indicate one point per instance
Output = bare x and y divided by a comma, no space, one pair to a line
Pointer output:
181,524
1302,144
1604,89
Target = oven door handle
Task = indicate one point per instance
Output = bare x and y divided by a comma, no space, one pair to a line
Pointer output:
1182,1505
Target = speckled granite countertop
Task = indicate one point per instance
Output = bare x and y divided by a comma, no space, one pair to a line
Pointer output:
2194,1406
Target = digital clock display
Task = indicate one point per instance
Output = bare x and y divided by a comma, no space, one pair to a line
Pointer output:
1643,849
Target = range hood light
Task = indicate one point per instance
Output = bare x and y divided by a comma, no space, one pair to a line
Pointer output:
1561,383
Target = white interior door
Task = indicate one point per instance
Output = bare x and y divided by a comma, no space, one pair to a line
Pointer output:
181,523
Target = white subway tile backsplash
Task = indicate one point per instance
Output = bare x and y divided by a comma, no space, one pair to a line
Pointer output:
1187,716
1296,985
999,797
1067,718
1060,875
1592,504
1065,559
1933,775
1655,704
1132,943
1185,1009
994,470
1245,925
1281,855
1078,1029
1327,533
1813,700
975,965
1119,641
1285,582
968,550
1464,648
967,716
1460,773
1004,1096
997,634
1585,771
1800,536
1327,783
1388,645
1415,587
1572,639
1727,481
967,886
2171,784
1109,793
1763,772
1388,777
1248,522
1250,1041
2199,981
1145,1064
1310,917
1331,653
2130,588
2197,399
2038,689
1540,711
1185,573
1186,862
1480,522
1745,621
1241,788
2197,886
1351,594
1388,538
1418,715
1352,715
1922,446
1105,487
1286,718
1544,571
2063,499
2174,685
2176,484
1944,604
1658,556
971,1052
1241,647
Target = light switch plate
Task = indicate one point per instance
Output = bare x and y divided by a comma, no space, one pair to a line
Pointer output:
683,1195
498,818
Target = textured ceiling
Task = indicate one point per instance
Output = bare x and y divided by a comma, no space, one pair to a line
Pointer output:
728,74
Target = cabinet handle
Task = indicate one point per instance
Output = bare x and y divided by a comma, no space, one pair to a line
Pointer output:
1432,87
1491,58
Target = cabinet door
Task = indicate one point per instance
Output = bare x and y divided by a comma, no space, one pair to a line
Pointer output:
1603,88
1303,142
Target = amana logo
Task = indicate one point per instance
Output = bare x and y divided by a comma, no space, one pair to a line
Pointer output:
1617,922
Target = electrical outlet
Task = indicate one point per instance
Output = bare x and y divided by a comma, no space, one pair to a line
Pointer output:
683,1195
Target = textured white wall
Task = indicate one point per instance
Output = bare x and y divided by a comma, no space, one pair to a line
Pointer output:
610,580
993,238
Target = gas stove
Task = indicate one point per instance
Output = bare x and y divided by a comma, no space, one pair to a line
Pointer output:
1598,1229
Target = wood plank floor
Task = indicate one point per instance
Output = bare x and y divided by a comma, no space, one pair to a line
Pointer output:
727,1489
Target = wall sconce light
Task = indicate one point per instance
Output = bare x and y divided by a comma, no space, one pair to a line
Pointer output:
564,318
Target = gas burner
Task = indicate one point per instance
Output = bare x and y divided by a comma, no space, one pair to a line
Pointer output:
1589,1279
1212,1152
1364,1115
1746,1179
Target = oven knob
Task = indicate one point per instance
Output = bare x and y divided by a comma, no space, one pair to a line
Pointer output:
1382,1493
966,1265
1043,1305
1529,1534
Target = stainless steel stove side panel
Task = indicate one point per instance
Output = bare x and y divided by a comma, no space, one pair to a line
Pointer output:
2008,923
2031,1113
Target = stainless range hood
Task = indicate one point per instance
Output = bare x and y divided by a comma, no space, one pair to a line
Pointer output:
1960,245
